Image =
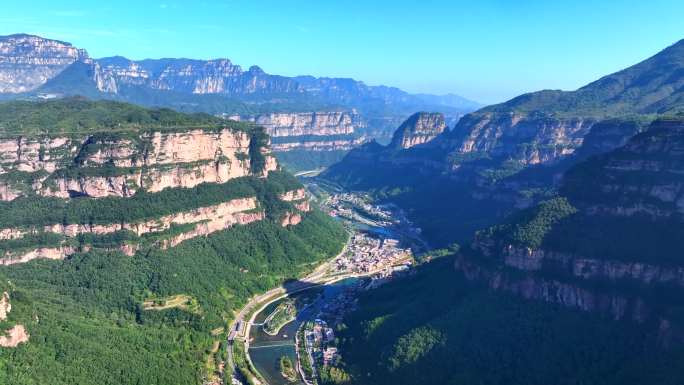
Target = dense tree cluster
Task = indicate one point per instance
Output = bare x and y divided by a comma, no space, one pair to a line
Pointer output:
79,115
437,328
86,318
36,210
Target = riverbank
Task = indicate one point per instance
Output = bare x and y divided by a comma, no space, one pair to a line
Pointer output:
240,327
376,253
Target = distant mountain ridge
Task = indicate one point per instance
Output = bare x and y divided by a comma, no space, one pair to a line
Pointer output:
509,155
568,213
114,75
26,62
32,67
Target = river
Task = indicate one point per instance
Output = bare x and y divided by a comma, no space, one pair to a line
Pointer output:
265,350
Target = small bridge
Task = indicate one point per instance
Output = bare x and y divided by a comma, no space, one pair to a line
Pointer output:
272,345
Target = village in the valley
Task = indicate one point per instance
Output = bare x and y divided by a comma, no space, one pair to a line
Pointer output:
373,252
374,247
380,248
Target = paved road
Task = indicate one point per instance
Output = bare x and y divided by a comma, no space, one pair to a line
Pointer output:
315,278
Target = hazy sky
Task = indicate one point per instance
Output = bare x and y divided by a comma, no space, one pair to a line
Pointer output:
487,50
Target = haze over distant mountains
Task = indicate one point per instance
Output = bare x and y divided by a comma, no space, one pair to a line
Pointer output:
568,213
32,64
320,118
485,159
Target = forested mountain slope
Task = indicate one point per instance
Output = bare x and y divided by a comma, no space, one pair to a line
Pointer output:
585,287
568,208
128,238
510,155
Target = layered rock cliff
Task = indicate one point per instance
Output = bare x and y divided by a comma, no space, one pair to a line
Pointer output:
310,131
300,204
611,243
419,128
102,165
198,222
530,139
27,62
136,187
218,76
118,76
642,178
511,155
309,123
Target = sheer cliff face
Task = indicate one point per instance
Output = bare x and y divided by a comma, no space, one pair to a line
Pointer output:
201,221
311,131
309,123
530,139
420,128
85,169
104,165
218,76
642,178
621,228
27,62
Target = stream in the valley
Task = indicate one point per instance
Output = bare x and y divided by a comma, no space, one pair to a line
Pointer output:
265,350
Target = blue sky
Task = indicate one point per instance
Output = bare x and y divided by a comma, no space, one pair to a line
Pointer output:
488,50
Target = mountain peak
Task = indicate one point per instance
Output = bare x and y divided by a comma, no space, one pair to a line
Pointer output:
256,70
419,128
29,61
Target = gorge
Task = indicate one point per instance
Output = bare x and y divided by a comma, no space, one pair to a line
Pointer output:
424,240
173,219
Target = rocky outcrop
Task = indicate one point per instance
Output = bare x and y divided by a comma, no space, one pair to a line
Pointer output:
420,128
293,195
103,165
7,193
5,306
642,178
54,253
214,225
207,220
303,206
14,336
617,305
300,203
528,138
27,62
291,219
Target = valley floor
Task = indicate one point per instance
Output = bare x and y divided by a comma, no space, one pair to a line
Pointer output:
371,252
